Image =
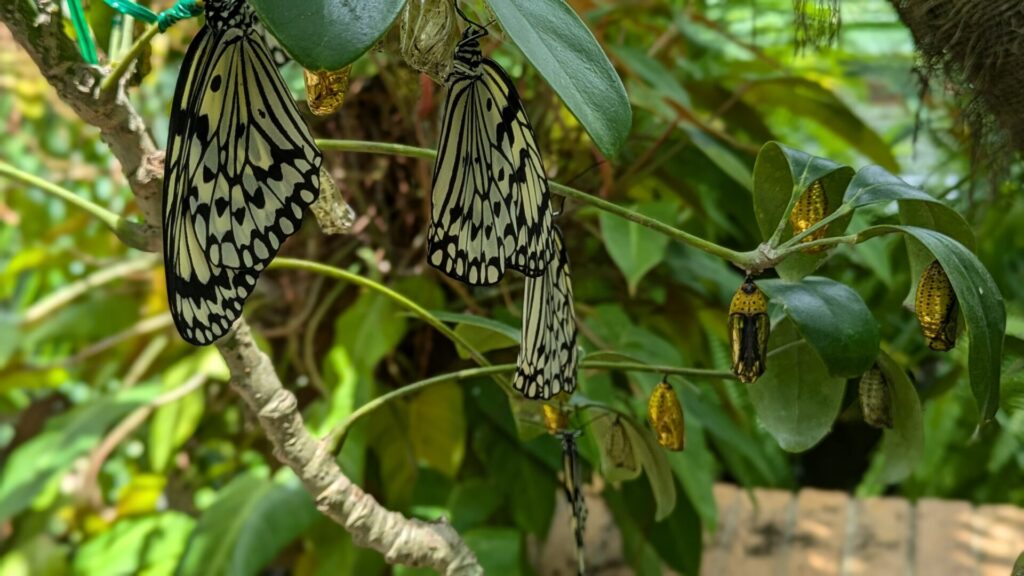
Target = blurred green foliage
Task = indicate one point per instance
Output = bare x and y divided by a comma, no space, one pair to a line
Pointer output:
98,479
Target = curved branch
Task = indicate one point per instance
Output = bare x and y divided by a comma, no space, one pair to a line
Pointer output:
37,25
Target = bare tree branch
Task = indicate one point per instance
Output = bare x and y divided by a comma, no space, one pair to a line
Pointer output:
38,27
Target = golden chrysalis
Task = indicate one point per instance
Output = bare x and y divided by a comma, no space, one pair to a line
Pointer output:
936,307
325,90
666,415
749,328
809,209
876,398
555,419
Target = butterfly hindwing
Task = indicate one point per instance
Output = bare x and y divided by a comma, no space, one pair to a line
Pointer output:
490,193
240,170
547,354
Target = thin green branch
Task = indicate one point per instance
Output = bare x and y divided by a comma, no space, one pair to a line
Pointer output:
111,81
113,221
745,260
70,292
139,236
820,224
417,310
337,436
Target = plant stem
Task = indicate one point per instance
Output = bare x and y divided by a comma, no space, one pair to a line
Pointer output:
743,260
70,292
337,436
785,251
112,220
111,81
419,311
839,213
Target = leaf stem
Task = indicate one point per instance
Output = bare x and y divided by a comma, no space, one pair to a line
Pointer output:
112,220
743,260
839,213
129,57
417,310
337,436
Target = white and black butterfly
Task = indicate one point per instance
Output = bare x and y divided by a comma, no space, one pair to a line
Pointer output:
241,169
547,354
490,207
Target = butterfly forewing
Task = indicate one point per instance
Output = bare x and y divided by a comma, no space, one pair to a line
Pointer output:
490,194
241,168
548,355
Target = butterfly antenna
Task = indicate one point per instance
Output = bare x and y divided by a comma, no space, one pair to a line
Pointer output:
470,21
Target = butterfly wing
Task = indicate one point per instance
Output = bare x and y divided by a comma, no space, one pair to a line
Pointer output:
253,167
219,142
490,206
516,147
547,355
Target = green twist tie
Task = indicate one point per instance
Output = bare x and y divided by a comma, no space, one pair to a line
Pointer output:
181,10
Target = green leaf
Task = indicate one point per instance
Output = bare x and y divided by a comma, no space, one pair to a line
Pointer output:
903,445
483,340
676,537
833,319
809,99
327,34
437,426
873,184
497,549
252,520
633,248
173,424
497,327
655,464
148,545
695,469
35,463
981,306
369,330
796,399
781,174
472,502
566,54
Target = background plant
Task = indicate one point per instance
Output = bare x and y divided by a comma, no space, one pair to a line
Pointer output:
86,479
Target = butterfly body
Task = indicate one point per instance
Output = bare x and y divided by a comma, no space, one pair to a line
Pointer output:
490,202
241,168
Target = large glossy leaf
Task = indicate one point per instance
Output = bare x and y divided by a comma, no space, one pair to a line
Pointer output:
327,34
252,519
981,306
369,329
796,399
833,319
633,248
781,174
564,51
903,445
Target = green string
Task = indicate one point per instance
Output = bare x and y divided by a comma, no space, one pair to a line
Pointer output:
82,33
181,10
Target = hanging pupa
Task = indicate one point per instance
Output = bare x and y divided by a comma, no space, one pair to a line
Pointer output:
555,419
749,328
936,307
326,89
334,215
619,448
666,415
428,36
875,398
809,209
